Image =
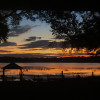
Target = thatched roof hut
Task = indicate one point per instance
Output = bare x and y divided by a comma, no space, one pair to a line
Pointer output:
12,66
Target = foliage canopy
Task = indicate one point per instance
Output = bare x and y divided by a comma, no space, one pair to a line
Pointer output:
81,29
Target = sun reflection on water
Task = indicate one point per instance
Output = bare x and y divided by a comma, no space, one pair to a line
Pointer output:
69,69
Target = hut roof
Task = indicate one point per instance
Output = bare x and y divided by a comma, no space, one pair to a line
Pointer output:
12,66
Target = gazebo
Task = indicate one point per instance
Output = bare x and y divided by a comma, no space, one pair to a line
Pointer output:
12,65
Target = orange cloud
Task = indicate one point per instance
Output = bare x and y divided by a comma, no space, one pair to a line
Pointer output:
47,52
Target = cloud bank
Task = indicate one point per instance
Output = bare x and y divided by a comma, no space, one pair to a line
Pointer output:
42,44
4,51
34,38
16,31
8,44
37,44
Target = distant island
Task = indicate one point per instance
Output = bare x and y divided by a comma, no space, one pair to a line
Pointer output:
92,59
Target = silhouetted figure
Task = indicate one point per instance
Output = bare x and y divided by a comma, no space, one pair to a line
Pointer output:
92,74
62,76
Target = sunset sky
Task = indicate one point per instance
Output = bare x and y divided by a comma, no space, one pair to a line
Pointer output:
32,39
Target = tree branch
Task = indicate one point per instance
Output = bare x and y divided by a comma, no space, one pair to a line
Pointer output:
4,17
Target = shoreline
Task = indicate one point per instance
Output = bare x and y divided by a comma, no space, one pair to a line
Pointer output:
51,62
94,59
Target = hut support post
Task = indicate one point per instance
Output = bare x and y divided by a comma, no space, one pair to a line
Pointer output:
21,75
3,74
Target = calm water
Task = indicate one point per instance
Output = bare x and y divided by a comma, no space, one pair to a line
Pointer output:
69,69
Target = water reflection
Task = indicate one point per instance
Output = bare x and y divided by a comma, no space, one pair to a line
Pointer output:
69,69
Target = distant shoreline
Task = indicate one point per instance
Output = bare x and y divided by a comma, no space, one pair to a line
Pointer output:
93,59
51,62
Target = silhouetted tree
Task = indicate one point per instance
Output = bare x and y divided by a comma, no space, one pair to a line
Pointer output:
11,18
90,37
78,28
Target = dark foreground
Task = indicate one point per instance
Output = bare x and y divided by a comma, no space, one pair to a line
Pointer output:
80,88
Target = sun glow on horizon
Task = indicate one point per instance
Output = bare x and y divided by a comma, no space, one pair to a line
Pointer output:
35,40
48,52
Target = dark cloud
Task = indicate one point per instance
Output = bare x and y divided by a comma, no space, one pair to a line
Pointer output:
27,55
16,55
16,31
30,55
37,44
43,44
4,51
32,38
36,49
8,44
